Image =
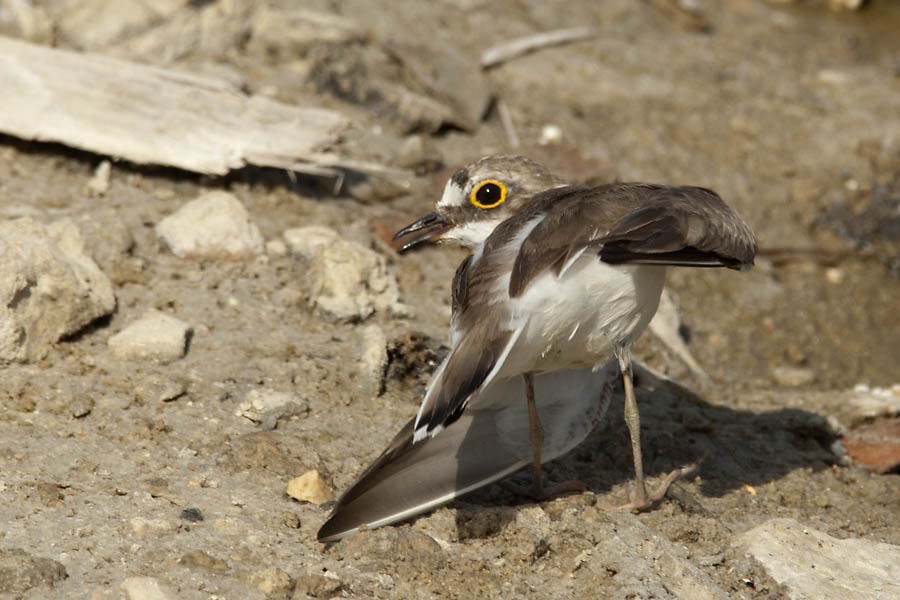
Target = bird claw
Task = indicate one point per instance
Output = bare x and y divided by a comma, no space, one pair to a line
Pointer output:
644,501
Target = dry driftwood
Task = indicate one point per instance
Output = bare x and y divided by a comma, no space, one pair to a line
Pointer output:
150,115
505,51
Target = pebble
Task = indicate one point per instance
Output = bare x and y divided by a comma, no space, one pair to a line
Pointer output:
550,135
144,588
198,559
49,287
213,226
350,281
871,403
276,248
317,586
141,526
81,406
792,377
159,388
99,183
274,583
310,487
875,446
811,564
154,336
266,407
374,360
21,572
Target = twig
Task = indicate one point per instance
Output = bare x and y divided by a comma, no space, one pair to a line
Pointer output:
506,119
501,53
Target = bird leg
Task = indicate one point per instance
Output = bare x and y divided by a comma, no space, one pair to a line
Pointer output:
536,437
640,499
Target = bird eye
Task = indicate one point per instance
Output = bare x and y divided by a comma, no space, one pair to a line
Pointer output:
488,194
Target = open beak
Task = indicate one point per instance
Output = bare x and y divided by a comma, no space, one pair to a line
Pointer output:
435,226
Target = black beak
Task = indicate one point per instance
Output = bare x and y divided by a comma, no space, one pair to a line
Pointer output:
436,225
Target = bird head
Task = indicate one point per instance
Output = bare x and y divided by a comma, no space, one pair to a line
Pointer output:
478,197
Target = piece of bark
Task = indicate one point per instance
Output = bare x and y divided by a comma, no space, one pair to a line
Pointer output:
150,115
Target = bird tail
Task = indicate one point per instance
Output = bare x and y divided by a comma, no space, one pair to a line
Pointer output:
488,442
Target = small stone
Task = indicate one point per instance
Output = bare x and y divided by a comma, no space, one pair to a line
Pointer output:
349,281
871,403
274,583
317,586
198,559
49,287
99,183
812,564
875,446
373,360
385,581
792,377
834,275
290,520
267,407
21,572
81,407
550,135
213,226
310,487
144,588
159,388
192,515
276,248
155,336
142,526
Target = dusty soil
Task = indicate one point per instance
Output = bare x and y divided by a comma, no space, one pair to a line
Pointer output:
792,113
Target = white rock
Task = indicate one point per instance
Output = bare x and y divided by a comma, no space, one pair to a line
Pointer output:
349,281
871,403
99,183
550,135
155,336
142,526
793,376
266,407
144,588
813,565
213,226
276,248
49,287
373,360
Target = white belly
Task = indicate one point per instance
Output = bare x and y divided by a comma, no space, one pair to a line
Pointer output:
577,320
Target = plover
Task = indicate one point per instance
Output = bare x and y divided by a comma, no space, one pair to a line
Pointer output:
561,281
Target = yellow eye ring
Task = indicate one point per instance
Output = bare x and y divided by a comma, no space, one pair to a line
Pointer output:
488,194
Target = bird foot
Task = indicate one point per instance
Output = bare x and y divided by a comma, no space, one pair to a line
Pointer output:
642,501
541,493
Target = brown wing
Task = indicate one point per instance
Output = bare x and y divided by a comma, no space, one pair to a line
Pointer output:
460,289
633,223
462,373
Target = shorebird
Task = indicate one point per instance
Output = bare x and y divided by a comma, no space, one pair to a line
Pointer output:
561,281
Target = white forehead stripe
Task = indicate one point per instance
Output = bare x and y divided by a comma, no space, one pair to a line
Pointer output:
452,195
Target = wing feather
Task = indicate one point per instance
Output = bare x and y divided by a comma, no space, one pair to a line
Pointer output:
651,224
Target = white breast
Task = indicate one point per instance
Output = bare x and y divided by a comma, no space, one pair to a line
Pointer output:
575,320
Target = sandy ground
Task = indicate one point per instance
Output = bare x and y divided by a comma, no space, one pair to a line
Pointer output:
792,113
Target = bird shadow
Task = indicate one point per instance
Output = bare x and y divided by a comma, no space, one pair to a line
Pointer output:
730,448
